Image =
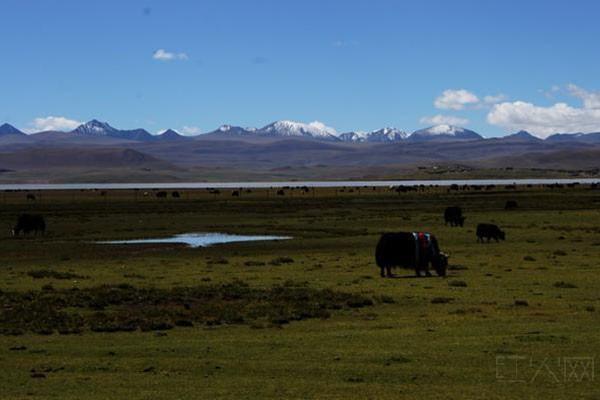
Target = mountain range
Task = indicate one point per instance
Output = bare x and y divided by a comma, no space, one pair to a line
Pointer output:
286,128
96,151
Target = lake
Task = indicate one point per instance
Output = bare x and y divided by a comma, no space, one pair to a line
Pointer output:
258,185
199,239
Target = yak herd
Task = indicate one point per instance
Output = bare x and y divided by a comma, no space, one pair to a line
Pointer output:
412,250
418,250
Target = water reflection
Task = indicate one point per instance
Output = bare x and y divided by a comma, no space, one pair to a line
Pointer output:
200,239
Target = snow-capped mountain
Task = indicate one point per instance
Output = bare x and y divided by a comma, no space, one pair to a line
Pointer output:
314,129
357,137
387,135
379,136
291,129
444,132
95,128
7,129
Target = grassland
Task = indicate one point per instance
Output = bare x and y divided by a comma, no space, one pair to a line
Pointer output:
340,331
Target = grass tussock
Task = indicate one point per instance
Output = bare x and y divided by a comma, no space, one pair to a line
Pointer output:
50,274
125,308
564,285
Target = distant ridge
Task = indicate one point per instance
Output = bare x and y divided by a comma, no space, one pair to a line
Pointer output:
292,129
170,135
7,129
444,132
577,137
280,150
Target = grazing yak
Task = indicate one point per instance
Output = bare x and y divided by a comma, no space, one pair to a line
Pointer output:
489,231
27,223
453,215
410,250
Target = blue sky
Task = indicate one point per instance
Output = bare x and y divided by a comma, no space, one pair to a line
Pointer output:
493,66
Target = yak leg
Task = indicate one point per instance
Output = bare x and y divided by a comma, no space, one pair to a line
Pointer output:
389,271
382,272
418,269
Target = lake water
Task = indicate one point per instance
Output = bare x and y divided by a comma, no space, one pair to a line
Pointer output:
200,239
316,184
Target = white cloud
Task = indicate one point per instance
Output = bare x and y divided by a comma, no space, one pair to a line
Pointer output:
52,123
164,55
444,120
190,130
490,100
545,121
455,99
591,100
551,93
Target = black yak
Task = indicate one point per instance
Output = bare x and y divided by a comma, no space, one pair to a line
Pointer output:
175,195
489,231
27,223
161,195
453,215
410,250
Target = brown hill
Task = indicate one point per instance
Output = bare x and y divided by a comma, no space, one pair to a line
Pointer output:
70,157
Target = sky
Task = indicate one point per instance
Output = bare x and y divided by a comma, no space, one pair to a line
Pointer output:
355,65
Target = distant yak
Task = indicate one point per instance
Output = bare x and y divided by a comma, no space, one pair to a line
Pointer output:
410,250
489,231
453,216
28,223
161,195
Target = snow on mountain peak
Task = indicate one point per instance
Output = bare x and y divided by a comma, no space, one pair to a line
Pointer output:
292,128
95,127
359,136
380,135
391,134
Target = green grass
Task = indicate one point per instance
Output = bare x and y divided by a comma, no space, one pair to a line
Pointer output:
533,296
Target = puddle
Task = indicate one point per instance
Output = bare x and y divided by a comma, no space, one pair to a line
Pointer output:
200,239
